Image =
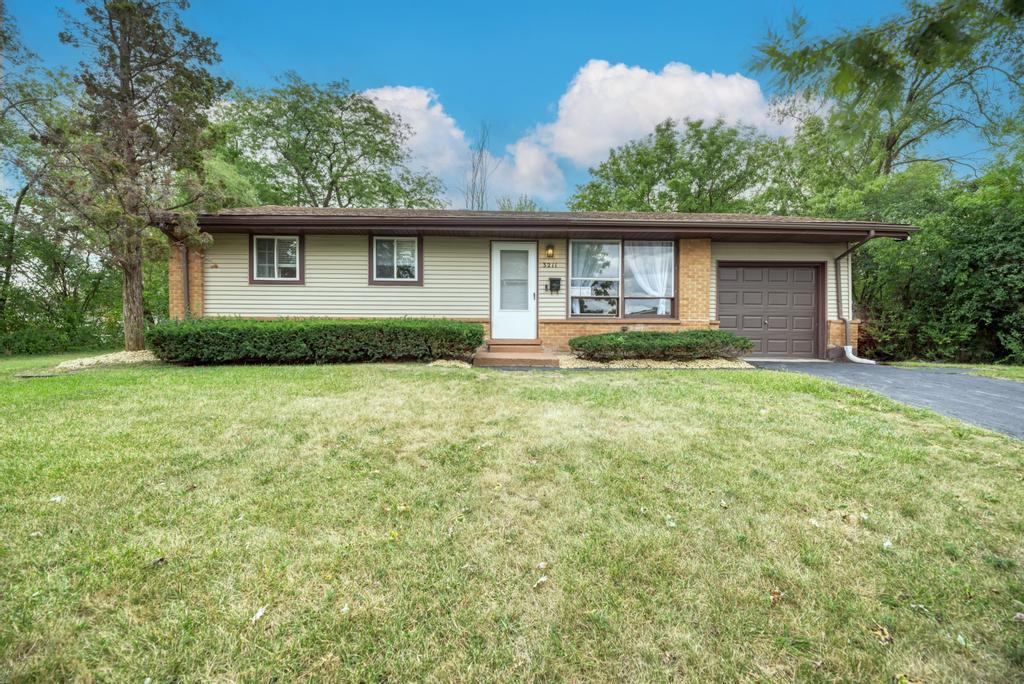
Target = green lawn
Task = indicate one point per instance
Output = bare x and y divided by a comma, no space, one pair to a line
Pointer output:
387,522
990,370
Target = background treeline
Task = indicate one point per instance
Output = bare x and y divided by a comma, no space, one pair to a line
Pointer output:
878,116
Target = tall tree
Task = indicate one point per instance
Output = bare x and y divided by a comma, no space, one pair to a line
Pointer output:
690,167
317,145
481,166
146,88
935,70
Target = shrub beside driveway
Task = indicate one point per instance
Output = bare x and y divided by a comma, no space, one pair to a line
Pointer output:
409,522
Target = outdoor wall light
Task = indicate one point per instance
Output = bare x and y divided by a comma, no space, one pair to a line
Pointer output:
549,251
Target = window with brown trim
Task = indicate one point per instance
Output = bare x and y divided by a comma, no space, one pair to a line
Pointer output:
622,278
276,259
396,260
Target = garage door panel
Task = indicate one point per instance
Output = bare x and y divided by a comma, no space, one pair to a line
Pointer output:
753,298
752,275
774,306
804,300
751,322
803,347
803,275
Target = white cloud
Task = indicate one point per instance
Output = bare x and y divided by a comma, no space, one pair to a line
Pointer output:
607,105
528,169
439,145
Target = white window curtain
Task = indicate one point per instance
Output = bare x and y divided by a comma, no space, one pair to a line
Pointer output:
649,270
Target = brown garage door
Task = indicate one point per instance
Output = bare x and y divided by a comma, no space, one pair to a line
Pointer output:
775,306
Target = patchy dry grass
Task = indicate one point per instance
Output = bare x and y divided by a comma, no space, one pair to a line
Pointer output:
990,370
389,522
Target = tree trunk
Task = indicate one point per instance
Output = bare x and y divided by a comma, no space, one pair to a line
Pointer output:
131,291
9,242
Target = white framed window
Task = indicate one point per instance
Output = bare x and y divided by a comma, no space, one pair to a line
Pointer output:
276,258
622,278
396,261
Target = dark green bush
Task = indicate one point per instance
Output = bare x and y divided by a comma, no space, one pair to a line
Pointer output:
212,341
668,346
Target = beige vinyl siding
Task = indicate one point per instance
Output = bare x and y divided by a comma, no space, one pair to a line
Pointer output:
455,281
785,251
552,307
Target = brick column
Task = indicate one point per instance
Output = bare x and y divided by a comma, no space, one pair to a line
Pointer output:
175,291
694,283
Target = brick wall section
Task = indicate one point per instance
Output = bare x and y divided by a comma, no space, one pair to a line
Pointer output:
837,334
694,280
175,298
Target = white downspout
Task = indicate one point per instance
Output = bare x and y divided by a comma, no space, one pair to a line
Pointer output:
848,346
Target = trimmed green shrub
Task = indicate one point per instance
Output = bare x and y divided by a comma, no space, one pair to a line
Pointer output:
668,346
213,341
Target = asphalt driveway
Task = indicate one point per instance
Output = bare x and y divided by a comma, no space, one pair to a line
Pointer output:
988,402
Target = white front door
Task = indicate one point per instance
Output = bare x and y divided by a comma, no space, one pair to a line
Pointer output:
514,290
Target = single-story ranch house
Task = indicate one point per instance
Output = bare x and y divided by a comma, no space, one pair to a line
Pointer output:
535,278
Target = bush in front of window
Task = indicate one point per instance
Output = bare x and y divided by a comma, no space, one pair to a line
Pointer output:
668,346
224,341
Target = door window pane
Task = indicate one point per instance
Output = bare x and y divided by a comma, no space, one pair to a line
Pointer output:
514,271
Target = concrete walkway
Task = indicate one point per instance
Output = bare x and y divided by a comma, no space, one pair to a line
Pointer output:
988,402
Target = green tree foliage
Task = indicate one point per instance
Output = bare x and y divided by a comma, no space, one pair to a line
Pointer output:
680,167
954,291
145,88
521,203
305,144
905,81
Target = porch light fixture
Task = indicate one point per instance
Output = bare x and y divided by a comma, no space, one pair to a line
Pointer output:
549,251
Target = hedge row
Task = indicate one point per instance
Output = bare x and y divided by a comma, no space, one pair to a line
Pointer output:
213,341
669,346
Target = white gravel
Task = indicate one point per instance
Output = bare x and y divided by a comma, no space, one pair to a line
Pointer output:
117,358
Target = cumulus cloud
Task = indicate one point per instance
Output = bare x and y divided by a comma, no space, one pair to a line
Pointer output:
438,144
528,169
607,105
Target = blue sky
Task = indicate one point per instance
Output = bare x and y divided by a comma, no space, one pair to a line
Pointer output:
557,82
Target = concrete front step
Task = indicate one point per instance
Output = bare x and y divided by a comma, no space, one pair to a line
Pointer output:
515,347
536,359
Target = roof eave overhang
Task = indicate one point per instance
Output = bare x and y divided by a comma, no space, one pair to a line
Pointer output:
480,226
